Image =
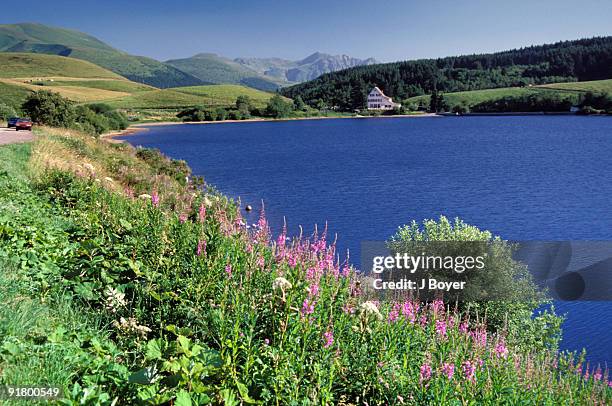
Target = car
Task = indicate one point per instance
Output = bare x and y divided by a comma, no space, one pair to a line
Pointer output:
23,124
12,121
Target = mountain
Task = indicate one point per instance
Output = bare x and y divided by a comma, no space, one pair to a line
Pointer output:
38,38
308,68
566,61
263,73
214,69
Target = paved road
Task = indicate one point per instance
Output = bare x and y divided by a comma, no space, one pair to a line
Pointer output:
10,136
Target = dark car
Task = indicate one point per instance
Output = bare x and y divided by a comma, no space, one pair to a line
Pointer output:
23,124
12,121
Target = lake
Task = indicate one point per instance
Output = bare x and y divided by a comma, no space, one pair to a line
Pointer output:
521,177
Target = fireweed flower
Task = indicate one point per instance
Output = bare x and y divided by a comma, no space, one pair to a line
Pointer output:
313,290
437,305
394,313
228,270
500,350
448,370
463,327
261,262
409,310
425,373
201,247
202,213
308,307
328,339
182,218
155,199
441,327
468,370
597,375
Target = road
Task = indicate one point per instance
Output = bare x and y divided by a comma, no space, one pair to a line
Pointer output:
10,136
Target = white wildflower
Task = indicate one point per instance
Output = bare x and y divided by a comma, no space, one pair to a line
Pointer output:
370,308
281,283
89,167
108,179
114,300
144,196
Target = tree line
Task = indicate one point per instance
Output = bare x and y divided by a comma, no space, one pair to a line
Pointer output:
567,61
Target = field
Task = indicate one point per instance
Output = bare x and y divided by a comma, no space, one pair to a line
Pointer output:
478,96
181,97
74,79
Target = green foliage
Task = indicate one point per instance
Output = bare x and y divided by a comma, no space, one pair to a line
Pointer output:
566,61
502,291
548,102
278,108
437,102
244,105
50,109
6,112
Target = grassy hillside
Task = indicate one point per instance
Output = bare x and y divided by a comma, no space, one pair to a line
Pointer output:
604,86
180,97
29,65
478,96
213,69
38,38
77,80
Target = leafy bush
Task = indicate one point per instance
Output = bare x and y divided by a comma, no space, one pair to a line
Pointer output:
6,112
50,109
278,108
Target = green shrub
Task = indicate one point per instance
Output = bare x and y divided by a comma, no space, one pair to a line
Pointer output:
50,109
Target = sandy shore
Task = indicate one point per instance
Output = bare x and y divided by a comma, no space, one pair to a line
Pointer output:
143,126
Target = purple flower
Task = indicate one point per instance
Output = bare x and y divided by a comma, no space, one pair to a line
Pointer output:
155,199
394,313
425,372
468,370
448,369
228,270
500,350
463,327
182,218
308,307
328,339
441,327
201,247
313,290
202,213
266,341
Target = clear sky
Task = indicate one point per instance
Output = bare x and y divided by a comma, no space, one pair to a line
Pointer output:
388,30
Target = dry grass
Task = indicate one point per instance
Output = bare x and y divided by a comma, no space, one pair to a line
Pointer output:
115,166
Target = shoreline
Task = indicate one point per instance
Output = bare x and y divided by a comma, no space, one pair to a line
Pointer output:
136,128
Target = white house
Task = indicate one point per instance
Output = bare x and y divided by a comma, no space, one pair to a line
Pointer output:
378,101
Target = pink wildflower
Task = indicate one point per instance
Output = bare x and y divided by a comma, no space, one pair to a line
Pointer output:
437,305
261,262
394,313
328,339
448,369
307,307
155,199
597,375
202,213
425,372
266,341
409,310
441,327
201,247
313,290
468,370
500,350
182,218
463,327
228,270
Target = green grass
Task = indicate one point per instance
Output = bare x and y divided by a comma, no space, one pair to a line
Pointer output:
473,97
26,65
13,95
182,97
112,85
604,86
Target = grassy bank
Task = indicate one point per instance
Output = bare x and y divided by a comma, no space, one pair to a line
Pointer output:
146,289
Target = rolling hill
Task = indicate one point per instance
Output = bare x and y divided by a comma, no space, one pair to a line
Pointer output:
38,38
75,79
566,61
471,98
214,69
183,97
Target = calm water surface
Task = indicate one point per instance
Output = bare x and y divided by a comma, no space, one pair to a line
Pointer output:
523,178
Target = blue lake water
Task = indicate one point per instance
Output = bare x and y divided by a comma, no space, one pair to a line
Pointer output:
522,177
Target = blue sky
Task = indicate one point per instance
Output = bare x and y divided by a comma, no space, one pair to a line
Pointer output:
388,30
